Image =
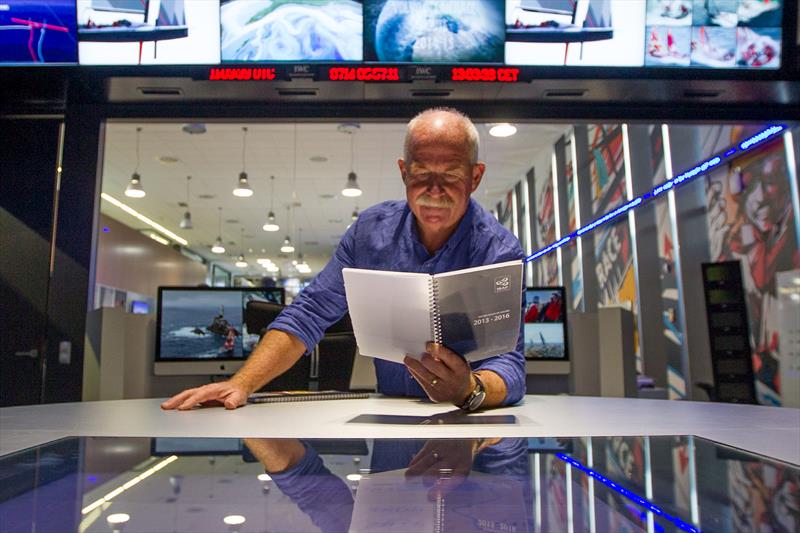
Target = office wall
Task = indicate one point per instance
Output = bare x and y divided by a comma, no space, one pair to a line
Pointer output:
129,260
650,260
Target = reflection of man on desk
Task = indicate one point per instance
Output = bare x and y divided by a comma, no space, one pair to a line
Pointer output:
471,483
438,228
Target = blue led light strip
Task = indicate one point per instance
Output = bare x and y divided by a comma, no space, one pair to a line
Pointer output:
680,179
656,510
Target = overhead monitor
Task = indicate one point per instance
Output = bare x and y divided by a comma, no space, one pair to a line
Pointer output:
545,324
575,32
201,331
725,34
434,31
263,31
38,33
148,32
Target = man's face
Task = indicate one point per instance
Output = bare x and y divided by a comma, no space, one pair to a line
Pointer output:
763,194
439,180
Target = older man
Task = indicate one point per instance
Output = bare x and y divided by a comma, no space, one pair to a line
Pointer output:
438,228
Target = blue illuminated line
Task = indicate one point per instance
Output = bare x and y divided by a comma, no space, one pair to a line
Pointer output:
647,504
680,179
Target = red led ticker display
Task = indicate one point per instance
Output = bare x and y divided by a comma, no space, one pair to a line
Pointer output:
364,74
484,74
241,74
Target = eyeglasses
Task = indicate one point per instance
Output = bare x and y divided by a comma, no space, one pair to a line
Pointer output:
446,179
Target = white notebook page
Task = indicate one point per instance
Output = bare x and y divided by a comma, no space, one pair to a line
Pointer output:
389,311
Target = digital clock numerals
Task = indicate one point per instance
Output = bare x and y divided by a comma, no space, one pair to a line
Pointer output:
506,75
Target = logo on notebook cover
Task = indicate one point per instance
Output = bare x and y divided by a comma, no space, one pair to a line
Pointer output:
502,284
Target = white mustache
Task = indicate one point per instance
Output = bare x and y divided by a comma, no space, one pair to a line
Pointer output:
441,203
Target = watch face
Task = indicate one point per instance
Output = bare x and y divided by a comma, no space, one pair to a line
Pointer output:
477,400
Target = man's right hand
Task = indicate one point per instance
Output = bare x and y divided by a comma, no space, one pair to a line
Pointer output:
225,393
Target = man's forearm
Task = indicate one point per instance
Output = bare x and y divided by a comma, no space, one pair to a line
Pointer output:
275,354
495,388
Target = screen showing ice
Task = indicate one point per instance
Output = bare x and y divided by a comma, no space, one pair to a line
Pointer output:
310,30
428,31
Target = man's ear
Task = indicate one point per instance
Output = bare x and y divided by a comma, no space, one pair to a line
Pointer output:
477,174
401,164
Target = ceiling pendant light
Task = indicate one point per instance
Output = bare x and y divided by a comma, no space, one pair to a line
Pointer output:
503,129
240,261
218,247
287,246
134,189
301,265
243,189
271,225
351,188
186,221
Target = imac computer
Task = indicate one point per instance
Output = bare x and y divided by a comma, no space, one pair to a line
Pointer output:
202,331
545,324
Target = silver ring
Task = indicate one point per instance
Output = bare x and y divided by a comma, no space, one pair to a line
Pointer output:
435,456
434,381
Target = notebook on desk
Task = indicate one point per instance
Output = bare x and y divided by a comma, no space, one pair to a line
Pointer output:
304,396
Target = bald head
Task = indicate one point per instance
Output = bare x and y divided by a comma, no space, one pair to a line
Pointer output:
442,125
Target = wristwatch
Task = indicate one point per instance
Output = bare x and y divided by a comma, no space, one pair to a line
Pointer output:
476,397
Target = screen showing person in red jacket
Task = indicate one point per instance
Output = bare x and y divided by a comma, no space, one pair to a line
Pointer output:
532,314
552,311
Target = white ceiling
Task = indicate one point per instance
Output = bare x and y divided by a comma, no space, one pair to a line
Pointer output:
214,160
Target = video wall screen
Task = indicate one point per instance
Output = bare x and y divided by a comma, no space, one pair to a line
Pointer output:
148,32
714,33
37,32
545,332
707,34
263,30
434,31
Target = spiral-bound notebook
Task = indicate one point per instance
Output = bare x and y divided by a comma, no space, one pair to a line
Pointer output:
476,312
304,396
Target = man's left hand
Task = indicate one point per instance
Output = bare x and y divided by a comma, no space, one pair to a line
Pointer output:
443,374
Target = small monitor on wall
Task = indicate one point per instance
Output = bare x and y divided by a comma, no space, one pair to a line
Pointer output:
202,331
545,324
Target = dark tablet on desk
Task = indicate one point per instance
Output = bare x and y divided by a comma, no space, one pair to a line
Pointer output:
446,418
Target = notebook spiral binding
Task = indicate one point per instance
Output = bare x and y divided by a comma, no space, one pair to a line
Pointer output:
436,318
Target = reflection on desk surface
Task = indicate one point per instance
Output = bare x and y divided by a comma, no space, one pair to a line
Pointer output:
668,483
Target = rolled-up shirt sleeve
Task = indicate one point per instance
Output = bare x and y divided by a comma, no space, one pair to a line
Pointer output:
322,302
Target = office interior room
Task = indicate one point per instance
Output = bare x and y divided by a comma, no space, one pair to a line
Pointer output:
542,183
174,172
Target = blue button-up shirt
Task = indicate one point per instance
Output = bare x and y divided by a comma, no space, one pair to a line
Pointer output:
385,237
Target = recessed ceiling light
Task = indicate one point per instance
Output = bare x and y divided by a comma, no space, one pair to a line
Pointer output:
168,159
232,221
194,128
327,196
318,158
183,204
503,129
206,196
